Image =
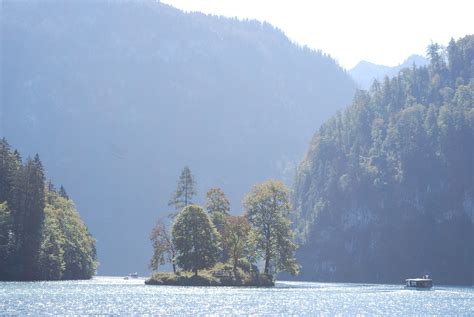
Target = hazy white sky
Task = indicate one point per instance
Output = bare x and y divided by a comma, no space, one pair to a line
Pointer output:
379,31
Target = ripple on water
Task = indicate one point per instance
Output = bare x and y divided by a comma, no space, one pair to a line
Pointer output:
116,296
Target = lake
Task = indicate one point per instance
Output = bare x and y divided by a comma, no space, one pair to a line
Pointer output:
116,296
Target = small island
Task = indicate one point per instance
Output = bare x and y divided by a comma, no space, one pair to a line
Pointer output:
219,275
209,247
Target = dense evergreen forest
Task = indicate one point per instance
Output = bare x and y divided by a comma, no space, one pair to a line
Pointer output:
117,96
42,236
386,190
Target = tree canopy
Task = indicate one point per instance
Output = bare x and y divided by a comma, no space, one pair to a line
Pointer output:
267,209
41,234
235,238
195,239
218,207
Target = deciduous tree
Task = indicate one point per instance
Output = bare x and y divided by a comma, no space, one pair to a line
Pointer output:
267,208
218,207
195,239
235,238
163,247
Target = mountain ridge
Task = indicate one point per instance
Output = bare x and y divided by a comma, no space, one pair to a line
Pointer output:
386,189
119,96
365,72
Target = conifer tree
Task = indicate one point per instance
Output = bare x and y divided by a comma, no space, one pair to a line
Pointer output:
33,215
185,191
50,186
41,234
6,239
9,164
62,192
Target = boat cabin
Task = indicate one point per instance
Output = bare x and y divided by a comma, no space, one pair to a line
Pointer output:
424,282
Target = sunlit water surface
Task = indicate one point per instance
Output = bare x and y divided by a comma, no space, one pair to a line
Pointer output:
116,296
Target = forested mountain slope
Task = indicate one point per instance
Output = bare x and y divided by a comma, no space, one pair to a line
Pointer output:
386,190
42,236
118,96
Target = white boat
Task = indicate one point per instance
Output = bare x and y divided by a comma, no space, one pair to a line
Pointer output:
419,283
133,275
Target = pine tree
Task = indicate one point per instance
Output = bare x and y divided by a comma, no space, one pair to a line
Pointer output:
41,234
50,186
6,240
185,191
9,164
27,205
62,192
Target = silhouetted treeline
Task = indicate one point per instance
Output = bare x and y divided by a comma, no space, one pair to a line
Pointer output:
386,190
41,234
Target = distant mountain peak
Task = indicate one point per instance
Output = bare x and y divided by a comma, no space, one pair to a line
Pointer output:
365,72
416,59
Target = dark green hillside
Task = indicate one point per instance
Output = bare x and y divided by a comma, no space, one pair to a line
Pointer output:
117,96
42,236
386,190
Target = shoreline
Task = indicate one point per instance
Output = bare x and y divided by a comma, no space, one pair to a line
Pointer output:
206,279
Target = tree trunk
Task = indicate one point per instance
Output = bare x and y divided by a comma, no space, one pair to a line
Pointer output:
174,268
235,268
267,263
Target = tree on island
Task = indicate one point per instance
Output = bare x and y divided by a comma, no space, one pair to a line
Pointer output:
267,208
195,239
218,207
163,247
235,238
185,191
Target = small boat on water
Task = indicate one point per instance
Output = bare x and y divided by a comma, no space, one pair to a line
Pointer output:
419,283
131,275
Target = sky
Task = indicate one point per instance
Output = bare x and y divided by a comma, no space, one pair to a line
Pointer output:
379,31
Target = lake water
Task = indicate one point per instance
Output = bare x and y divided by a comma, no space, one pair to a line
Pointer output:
116,296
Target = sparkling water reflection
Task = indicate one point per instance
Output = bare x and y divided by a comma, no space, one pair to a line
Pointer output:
116,296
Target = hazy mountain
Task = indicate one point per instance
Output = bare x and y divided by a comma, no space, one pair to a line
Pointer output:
365,72
119,96
386,190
